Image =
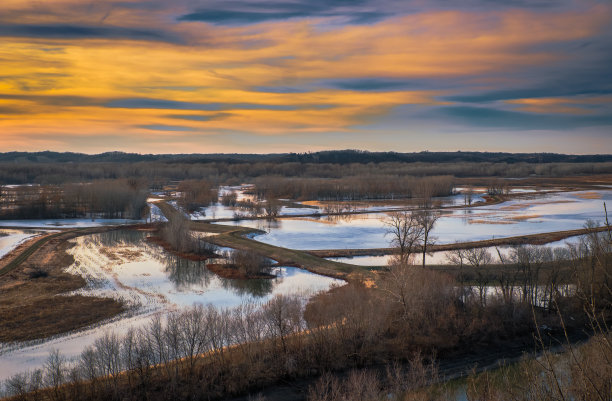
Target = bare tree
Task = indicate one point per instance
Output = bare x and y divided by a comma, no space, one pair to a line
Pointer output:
427,219
272,207
229,198
55,374
457,257
478,257
108,359
406,234
422,295
468,196
283,317
194,337
249,262
17,386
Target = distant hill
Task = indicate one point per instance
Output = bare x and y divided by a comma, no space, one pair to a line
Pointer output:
334,156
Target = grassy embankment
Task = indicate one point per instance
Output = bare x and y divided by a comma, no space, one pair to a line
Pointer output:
235,237
33,276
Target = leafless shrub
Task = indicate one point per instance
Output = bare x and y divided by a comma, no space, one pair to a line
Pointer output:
272,207
250,263
477,258
359,385
196,193
424,297
55,374
177,234
283,317
229,198
427,219
412,381
406,234
17,386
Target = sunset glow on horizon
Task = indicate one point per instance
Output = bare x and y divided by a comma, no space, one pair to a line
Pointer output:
199,76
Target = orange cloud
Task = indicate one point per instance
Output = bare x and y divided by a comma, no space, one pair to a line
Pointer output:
226,65
573,105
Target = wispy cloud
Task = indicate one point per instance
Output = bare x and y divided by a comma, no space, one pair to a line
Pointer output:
160,127
326,70
69,31
252,12
144,103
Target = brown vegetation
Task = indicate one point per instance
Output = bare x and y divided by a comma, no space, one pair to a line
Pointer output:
98,199
192,354
176,236
352,187
196,193
250,263
195,256
35,306
228,270
211,353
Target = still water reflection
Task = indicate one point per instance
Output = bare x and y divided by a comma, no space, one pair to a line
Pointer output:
124,265
124,261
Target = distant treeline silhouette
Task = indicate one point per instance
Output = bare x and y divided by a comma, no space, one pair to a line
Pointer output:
332,156
158,173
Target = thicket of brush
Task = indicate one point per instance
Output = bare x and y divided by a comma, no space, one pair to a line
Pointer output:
211,353
120,198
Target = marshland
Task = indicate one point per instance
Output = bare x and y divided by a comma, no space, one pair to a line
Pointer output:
282,277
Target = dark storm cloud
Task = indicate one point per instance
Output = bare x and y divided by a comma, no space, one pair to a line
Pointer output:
588,80
71,31
535,92
250,12
246,12
374,84
494,118
360,85
584,69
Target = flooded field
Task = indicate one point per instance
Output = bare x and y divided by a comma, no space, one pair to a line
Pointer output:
149,281
66,223
10,239
220,211
123,265
549,213
442,257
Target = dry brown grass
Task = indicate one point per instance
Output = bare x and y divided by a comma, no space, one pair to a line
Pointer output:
233,272
479,221
521,206
525,217
44,316
589,195
33,308
8,258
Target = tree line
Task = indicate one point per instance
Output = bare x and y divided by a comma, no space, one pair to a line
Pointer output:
331,156
159,173
120,198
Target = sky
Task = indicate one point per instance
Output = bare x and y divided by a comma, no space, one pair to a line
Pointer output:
246,76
